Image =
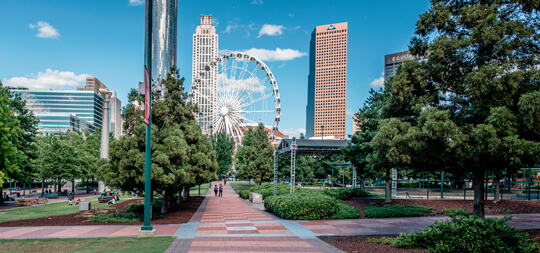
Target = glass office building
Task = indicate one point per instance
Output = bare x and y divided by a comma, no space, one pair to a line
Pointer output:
60,111
164,22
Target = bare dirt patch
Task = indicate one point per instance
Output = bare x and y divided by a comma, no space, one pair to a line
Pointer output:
491,208
177,214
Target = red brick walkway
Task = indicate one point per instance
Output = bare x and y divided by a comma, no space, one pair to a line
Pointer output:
230,225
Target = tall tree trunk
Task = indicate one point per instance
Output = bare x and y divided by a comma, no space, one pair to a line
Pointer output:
388,180
73,187
497,196
42,187
165,205
24,189
478,186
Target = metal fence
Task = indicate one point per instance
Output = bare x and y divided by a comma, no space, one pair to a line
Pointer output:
431,189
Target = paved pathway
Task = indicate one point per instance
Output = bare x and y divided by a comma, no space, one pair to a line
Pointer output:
230,224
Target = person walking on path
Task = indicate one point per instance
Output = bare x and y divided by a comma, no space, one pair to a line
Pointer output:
220,190
215,190
225,181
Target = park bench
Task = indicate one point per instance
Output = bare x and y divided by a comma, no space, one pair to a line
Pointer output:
407,195
26,202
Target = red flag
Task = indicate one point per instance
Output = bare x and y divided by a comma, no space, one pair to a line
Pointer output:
146,96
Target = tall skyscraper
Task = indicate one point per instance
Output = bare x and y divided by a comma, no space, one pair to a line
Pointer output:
205,48
392,62
327,82
164,17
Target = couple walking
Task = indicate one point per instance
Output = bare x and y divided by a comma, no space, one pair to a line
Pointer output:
220,189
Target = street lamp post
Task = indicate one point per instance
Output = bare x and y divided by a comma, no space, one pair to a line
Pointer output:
146,228
322,132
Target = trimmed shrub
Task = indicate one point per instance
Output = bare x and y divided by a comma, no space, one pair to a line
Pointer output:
346,212
266,190
302,205
456,212
344,194
338,193
359,193
396,211
118,217
465,234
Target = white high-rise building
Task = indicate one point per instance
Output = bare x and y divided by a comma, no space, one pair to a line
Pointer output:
205,48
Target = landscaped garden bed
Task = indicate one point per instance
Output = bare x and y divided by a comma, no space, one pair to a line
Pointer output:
177,213
441,207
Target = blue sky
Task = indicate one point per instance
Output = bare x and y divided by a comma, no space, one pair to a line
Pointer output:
57,43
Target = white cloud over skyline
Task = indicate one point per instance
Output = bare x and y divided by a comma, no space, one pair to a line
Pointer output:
294,132
271,30
279,54
53,79
136,2
45,30
379,82
257,2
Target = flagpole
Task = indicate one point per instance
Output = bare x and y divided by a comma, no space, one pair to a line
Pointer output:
148,92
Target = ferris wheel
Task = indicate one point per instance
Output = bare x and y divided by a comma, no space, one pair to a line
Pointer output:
236,91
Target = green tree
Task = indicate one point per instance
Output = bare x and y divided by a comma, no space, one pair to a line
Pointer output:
182,156
26,140
473,106
255,158
224,147
60,158
10,130
370,114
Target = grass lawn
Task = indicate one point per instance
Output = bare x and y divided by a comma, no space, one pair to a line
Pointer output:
101,244
53,209
241,185
194,191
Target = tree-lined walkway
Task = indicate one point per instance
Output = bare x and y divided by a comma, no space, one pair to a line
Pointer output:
228,224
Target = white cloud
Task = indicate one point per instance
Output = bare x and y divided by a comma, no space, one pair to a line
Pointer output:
279,54
350,112
291,14
271,30
215,22
136,2
257,2
45,30
379,82
294,132
54,79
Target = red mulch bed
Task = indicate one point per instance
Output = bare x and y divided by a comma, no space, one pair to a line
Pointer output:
491,208
360,244
177,214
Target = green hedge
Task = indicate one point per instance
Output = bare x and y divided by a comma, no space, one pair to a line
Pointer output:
266,190
343,193
303,205
465,234
386,211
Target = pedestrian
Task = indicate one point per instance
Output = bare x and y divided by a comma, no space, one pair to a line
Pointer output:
215,190
225,181
220,190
